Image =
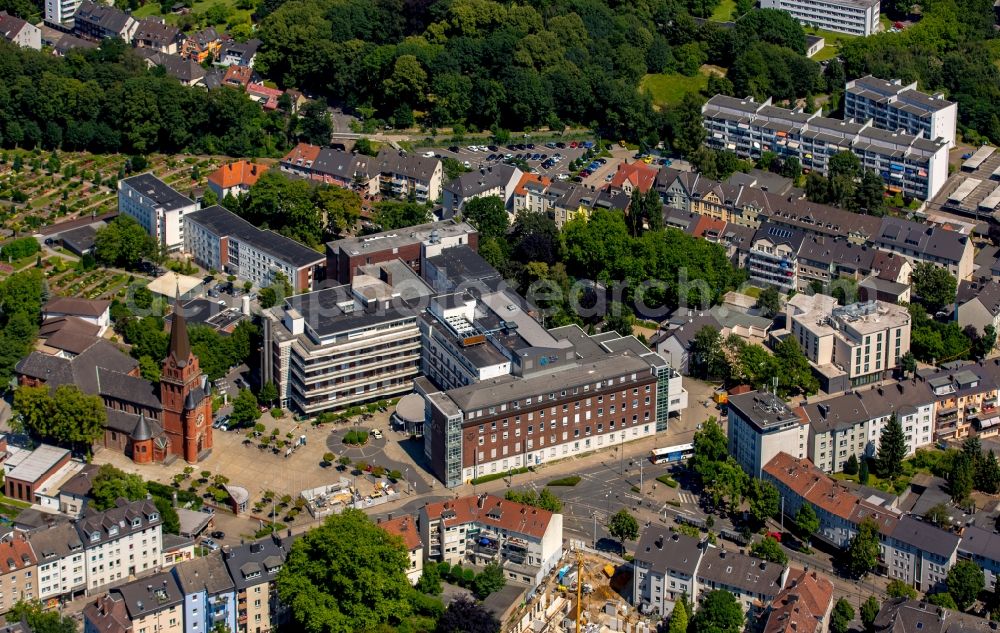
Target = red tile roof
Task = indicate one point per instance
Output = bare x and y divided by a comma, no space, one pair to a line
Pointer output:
801,605
15,554
492,511
302,154
812,484
241,172
406,528
238,75
545,181
639,174
707,224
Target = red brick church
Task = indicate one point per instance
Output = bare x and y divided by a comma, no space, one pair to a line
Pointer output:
147,423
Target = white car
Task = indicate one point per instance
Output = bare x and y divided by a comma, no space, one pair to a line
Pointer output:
428,154
472,148
377,434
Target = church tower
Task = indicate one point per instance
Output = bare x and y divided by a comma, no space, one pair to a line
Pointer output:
187,403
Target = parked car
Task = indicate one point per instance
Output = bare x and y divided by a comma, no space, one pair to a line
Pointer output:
219,534
377,434
209,544
454,149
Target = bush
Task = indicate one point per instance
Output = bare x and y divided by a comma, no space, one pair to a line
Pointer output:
468,577
444,569
355,438
495,476
20,248
276,412
667,480
565,481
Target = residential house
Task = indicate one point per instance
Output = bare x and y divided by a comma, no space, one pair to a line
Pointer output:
919,554
209,594
490,180
101,21
579,201
803,606
832,263
921,243
235,178
238,76
405,527
673,341
479,528
202,45
17,31
889,279
849,346
982,547
107,614
760,427
300,159
978,304
150,604
404,175
254,569
336,167
754,582
59,13
62,564
221,240
121,542
851,424
529,193
665,567
773,259
900,615
266,96
630,177
18,572
74,494
96,312
238,53
157,35
157,207
965,399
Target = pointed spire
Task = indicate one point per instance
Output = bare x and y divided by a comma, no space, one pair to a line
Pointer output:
180,346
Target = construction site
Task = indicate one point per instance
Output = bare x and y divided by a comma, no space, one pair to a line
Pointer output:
588,593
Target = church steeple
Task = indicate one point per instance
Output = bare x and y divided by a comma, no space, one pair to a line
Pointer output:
180,346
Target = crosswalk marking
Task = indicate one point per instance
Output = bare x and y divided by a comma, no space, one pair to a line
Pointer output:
687,498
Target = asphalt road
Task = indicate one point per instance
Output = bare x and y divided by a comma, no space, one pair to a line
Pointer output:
478,159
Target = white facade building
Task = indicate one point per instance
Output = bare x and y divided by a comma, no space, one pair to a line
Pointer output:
891,105
760,426
62,568
158,207
121,542
857,17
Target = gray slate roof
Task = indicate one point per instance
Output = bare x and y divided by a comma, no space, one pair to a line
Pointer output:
207,573
122,516
664,551
257,562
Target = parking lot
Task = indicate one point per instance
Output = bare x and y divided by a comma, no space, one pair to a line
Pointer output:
547,159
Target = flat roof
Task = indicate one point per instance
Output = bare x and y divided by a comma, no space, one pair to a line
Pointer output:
158,191
763,409
224,222
401,237
39,462
323,313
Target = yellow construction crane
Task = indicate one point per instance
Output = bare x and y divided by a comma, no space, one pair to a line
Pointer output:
579,587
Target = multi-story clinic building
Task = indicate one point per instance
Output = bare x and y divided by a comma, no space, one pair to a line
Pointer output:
760,426
891,105
157,206
908,164
857,17
597,392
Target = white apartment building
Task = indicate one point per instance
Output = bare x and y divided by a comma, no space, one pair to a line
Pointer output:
528,541
17,31
891,105
401,175
221,240
760,426
158,207
852,424
60,13
121,542
857,17
665,566
338,347
500,180
62,565
908,164
851,345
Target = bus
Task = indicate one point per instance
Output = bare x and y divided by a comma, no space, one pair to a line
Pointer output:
671,454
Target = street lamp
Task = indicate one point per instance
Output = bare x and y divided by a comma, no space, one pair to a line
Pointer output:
406,476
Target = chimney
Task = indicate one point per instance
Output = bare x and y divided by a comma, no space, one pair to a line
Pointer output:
481,502
824,410
880,392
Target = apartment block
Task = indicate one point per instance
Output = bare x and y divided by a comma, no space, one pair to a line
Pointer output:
121,542
156,206
346,345
849,346
60,13
403,175
665,567
405,527
851,424
892,105
150,604
856,17
62,565
254,569
922,243
209,594
908,164
773,258
965,400
982,547
919,553
754,582
18,572
492,180
760,426
97,21
803,606
221,240
17,31
528,541
597,392
411,245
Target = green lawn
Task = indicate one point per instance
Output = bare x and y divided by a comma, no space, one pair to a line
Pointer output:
668,90
833,42
152,8
724,12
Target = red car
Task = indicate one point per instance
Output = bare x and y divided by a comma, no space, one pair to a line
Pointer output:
573,144
775,535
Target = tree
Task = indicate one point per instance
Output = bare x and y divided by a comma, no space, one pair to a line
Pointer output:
938,514
40,620
961,477
863,473
123,242
769,302
870,609
346,575
623,527
870,194
488,215
942,599
392,214
547,500
341,208
68,417
719,613
965,582
900,589
315,126
171,521
111,484
490,580
729,485
933,285
429,581
806,521
711,448
891,449
793,369
620,319
245,408
764,500
770,550
908,364
464,615
851,465
862,552
268,393
840,618
705,356
987,475
678,619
